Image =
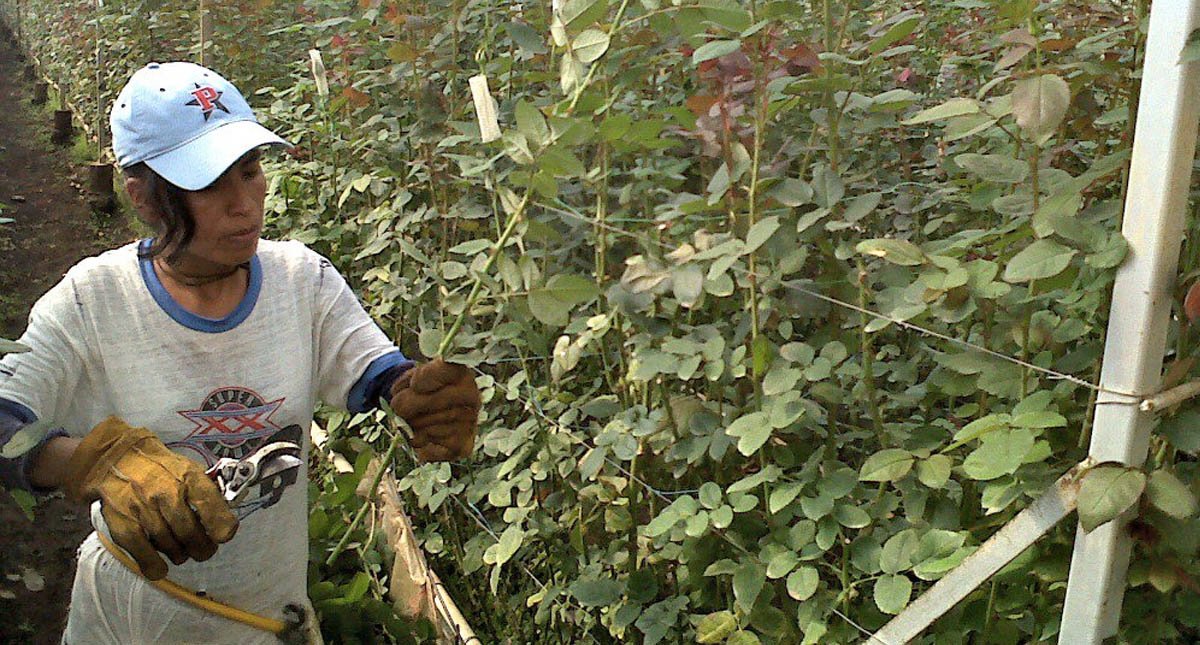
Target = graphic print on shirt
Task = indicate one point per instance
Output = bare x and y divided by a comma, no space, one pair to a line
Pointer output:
234,422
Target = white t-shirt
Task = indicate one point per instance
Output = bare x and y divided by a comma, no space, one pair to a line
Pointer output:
109,340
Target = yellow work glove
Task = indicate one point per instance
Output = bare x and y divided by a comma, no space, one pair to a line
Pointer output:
440,401
152,499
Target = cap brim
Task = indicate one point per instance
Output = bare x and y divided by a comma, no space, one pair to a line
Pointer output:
199,163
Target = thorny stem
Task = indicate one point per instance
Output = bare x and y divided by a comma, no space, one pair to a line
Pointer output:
513,219
752,213
868,355
592,69
397,437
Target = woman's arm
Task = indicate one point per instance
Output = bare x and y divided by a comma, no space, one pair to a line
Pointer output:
47,467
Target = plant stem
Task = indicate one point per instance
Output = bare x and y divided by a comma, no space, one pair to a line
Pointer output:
592,69
868,356
397,437
515,217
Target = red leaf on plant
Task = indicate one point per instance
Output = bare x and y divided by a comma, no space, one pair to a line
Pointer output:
700,104
337,41
801,58
356,98
1191,303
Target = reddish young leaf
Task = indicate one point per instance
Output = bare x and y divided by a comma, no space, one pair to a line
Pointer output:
1191,304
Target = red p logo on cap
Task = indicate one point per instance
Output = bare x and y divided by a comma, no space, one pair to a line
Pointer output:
206,97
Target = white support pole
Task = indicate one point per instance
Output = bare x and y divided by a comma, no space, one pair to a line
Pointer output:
206,36
1164,146
1019,534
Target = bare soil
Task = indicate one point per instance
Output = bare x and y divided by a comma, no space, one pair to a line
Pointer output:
54,227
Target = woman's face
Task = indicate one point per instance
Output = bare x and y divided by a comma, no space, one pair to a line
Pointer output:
228,214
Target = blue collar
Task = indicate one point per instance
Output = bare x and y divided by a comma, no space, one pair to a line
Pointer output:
189,319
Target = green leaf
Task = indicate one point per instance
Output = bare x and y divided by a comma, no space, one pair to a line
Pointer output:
892,593
1170,495
781,379
1183,431
590,45
1039,419
803,582
886,465
510,541
714,627
552,303
900,252
471,247
851,517
792,192
517,147
526,37
1106,492
357,588
429,340
896,33
1000,453
26,502
782,564
748,581
583,12
898,551
714,49
727,15
768,474
782,496
1039,104
570,73
752,431
531,123
934,471
1040,260
596,592
998,168
688,284
25,439
760,233
665,521
1056,214
980,427
744,638
559,161
954,107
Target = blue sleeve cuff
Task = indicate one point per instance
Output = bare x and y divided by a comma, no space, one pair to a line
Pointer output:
14,473
376,380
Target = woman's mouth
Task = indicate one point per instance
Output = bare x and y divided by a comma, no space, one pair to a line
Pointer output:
244,235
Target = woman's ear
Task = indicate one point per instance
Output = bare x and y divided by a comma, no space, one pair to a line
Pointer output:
139,193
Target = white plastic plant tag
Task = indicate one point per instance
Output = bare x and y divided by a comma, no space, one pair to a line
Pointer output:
485,109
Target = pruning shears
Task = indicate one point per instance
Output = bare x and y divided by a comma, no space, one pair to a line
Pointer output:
267,467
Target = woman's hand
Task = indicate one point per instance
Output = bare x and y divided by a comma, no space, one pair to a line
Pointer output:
440,401
152,499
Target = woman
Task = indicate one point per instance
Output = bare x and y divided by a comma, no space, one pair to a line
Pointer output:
161,357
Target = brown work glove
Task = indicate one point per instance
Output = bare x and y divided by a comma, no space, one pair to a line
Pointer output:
441,403
152,499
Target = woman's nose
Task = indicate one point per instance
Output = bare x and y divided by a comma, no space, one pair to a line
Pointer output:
243,201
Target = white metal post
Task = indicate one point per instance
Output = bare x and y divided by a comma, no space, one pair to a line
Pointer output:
1164,145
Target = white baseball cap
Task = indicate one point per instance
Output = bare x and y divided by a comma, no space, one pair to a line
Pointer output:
186,122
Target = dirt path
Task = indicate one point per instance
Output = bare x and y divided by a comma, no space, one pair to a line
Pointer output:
54,228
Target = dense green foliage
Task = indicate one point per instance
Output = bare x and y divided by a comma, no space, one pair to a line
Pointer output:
690,434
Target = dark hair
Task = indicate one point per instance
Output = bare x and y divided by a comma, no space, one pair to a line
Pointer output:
176,226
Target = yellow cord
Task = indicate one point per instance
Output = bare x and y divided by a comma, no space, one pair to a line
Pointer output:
192,598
